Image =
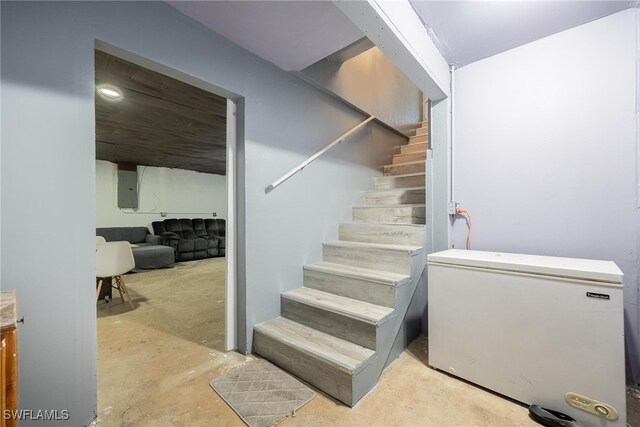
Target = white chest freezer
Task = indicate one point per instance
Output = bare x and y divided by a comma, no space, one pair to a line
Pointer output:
540,330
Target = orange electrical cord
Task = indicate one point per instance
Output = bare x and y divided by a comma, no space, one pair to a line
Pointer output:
467,216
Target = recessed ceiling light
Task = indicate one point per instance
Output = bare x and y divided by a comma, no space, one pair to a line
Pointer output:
110,92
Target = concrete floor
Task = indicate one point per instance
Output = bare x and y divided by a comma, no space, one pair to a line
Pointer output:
155,363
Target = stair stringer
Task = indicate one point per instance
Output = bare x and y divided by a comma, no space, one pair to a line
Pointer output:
388,346
412,323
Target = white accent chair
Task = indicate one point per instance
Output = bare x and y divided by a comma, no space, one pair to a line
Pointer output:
113,259
100,240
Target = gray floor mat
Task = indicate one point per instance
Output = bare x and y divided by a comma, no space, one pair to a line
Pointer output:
261,393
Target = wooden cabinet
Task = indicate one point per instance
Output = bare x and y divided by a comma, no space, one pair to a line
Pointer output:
8,357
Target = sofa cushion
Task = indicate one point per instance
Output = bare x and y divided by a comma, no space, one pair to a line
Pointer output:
123,234
186,245
213,242
158,227
199,227
200,244
215,227
153,239
200,254
153,256
187,231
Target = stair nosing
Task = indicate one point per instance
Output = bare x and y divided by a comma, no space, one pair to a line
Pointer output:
408,205
352,272
410,249
373,224
401,176
351,369
413,145
396,189
407,163
377,321
410,154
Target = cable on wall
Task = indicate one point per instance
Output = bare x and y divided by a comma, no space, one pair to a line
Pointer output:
144,169
467,216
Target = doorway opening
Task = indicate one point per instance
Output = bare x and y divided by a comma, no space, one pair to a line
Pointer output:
165,224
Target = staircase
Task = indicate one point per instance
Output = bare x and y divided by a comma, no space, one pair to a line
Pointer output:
350,320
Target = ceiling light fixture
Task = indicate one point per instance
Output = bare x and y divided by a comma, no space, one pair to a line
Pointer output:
110,92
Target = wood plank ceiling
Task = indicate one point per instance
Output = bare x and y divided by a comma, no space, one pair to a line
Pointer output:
159,121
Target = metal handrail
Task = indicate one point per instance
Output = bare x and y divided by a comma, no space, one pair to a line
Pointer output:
319,153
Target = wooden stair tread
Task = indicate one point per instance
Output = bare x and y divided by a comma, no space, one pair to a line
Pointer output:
408,205
346,356
396,182
418,139
355,309
404,168
373,224
401,176
408,213
379,276
416,147
406,163
378,246
395,190
404,158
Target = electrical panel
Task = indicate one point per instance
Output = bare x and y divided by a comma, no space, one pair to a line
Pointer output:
127,186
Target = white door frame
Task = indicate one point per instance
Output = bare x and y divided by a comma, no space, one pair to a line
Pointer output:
230,296
231,279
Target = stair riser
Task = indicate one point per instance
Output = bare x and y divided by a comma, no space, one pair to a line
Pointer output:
394,197
385,260
410,157
384,234
390,170
338,325
413,148
317,372
396,215
392,182
420,139
422,131
362,290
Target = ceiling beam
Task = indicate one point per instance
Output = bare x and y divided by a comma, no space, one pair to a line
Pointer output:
397,30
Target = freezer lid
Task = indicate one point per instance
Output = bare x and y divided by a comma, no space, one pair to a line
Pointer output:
573,268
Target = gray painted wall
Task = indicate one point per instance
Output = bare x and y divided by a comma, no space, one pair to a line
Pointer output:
373,83
546,151
48,183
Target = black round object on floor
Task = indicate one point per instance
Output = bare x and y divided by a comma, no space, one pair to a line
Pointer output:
551,418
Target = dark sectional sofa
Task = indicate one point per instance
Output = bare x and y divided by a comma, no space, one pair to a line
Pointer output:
191,239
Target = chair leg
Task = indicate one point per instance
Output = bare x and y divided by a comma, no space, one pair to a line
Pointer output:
116,284
98,290
126,291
